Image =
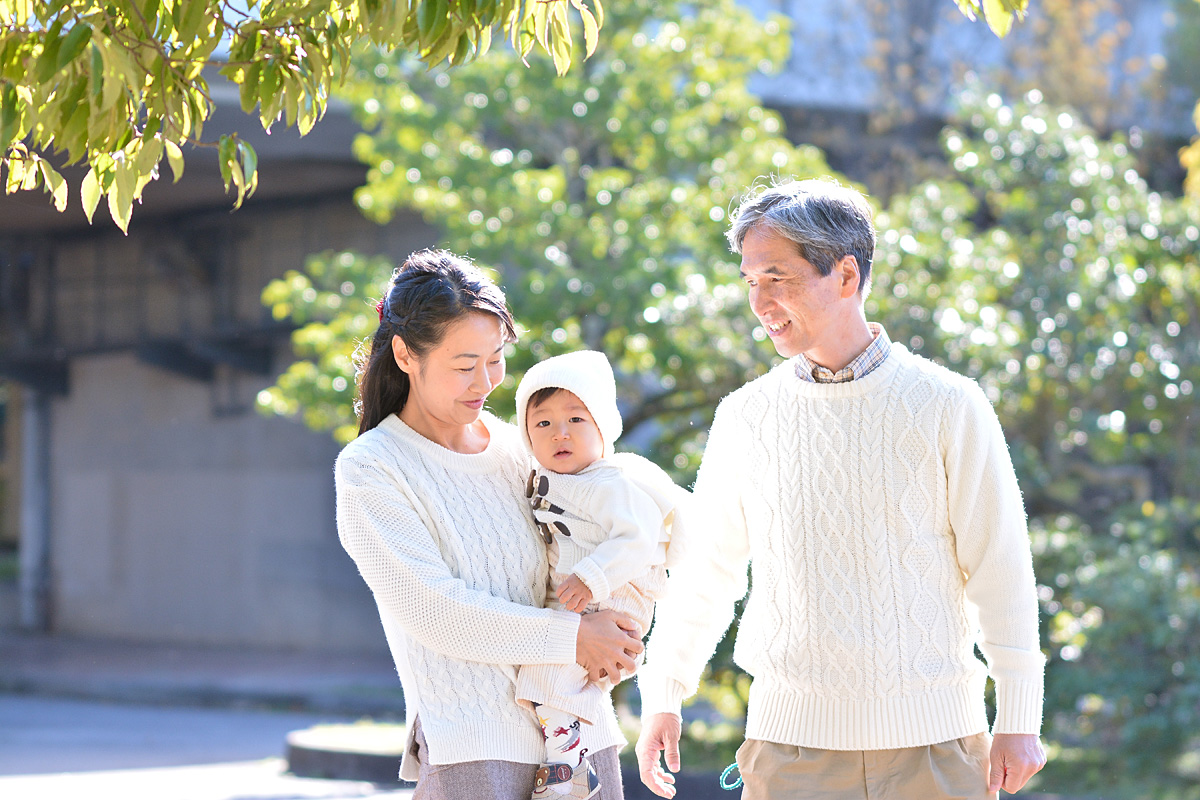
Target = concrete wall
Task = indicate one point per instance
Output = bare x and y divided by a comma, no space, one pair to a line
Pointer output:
172,522
178,513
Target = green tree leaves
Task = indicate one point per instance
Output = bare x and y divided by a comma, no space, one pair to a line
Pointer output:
599,197
332,301
1190,155
118,84
1047,269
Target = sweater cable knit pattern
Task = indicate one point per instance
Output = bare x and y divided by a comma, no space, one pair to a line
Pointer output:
877,512
446,544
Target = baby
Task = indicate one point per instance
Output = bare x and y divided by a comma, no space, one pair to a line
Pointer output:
607,519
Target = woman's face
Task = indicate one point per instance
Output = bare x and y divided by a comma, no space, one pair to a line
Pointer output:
449,384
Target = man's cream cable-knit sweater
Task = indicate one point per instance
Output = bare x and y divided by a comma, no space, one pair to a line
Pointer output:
447,545
886,530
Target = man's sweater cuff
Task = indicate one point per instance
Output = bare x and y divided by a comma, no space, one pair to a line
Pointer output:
1018,707
561,636
661,695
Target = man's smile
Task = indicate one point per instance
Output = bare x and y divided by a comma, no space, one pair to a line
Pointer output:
774,328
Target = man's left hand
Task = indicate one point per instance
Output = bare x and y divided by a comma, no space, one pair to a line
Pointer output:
1015,758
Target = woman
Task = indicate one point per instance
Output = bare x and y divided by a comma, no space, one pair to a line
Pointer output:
431,506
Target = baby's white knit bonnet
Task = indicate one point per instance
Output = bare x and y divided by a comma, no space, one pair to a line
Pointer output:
586,374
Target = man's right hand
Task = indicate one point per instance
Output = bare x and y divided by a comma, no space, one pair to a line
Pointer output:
660,734
607,644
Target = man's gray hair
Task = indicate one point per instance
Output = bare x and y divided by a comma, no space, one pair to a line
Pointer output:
826,220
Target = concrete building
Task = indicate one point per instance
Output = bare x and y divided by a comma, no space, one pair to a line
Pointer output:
853,56
150,500
872,83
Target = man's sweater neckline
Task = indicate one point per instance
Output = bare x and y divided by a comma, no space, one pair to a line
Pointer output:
869,384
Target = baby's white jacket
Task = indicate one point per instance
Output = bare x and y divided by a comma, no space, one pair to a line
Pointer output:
621,516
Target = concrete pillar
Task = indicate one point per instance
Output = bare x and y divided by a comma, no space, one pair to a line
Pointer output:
10,512
34,551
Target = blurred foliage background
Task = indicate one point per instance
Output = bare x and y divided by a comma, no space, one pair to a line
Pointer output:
599,199
1028,250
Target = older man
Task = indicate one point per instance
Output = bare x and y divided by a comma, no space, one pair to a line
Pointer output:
872,492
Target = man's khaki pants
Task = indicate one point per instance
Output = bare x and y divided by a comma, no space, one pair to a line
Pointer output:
955,770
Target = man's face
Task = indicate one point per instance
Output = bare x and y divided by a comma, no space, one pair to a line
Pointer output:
794,302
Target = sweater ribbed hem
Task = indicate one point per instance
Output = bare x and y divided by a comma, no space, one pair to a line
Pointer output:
1018,707
564,687
660,693
593,577
490,740
561,635
476,740
805,720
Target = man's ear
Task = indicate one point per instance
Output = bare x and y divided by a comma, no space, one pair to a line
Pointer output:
404,358
848,274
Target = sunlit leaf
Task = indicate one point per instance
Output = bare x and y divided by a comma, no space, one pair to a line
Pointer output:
174,158
56,185
89,79
999,18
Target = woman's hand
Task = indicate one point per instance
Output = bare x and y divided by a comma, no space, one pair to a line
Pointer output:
608,643
574,594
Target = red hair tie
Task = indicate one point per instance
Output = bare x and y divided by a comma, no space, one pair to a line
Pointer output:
379,308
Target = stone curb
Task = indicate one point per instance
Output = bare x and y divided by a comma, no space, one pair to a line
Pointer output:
359,752
314,762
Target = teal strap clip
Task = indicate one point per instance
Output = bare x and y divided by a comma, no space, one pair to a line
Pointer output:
725,784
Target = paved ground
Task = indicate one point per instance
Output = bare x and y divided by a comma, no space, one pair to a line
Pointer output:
47,735
56,749
262,780
98,720
195,675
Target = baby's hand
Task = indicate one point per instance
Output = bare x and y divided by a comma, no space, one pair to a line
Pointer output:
574,594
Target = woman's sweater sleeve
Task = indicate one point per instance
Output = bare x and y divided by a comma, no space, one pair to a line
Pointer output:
701,590
992,541
633,522
385,533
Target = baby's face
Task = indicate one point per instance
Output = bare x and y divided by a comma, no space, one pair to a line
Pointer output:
565,438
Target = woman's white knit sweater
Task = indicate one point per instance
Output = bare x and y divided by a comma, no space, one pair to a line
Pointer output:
886,531
447,545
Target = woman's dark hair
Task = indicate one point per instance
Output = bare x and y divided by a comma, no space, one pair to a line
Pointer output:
428,292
